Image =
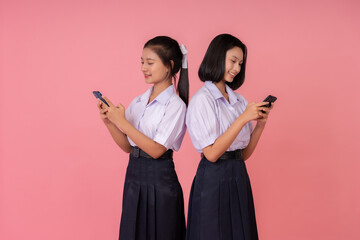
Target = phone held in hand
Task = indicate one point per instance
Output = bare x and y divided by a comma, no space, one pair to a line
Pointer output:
270,99
98,95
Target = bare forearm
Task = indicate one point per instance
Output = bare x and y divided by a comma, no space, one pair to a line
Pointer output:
148,145
222,143
119,137
255,137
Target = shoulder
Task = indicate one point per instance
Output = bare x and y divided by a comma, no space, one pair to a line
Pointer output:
202,97
176,102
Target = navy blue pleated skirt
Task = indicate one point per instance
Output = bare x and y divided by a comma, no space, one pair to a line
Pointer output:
221,205
153,204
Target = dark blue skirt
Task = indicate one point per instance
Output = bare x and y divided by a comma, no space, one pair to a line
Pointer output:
221,205
153,204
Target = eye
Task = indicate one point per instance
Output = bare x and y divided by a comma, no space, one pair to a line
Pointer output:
150,63
142,63
233,61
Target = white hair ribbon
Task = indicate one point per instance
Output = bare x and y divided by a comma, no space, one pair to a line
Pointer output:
184,59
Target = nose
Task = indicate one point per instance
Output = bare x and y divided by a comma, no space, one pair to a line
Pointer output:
237,68
143,67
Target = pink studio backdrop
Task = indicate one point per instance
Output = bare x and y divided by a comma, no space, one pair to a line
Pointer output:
61,174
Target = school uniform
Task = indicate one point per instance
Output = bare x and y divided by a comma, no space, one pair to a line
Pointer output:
221,204
153,205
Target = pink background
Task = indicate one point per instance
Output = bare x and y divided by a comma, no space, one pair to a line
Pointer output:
61,174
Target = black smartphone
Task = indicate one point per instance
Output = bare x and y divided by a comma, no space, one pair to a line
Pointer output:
98,95
270,99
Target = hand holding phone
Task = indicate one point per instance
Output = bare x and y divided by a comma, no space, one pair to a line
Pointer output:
98,95
270,99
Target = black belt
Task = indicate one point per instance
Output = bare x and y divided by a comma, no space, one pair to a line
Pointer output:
229,155
137,152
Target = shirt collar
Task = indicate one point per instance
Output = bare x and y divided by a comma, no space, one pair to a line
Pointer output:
217,94
162,98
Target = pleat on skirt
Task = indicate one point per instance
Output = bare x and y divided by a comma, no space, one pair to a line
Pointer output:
221,205
153,204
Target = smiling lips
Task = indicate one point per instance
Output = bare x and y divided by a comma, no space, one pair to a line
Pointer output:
232,75
147,76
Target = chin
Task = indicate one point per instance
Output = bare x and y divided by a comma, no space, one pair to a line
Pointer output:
148,81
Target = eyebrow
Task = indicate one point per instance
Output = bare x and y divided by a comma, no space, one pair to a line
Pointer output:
148,58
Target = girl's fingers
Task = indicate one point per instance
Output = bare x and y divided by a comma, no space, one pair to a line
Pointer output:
265,109
103,111
262,115
99,104
109,102
259,104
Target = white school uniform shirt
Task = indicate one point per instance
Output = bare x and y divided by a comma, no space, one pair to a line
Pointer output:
162,120
209,115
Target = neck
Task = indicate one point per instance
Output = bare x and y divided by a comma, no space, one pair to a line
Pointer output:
221,86
159,87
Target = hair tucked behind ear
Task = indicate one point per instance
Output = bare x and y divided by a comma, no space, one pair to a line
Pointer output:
169,51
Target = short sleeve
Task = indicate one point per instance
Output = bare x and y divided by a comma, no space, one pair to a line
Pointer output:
202,122
171,129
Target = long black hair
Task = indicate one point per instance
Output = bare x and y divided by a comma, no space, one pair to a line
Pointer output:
213,65
169,50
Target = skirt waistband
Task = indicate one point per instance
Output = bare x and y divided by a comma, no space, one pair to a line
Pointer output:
237,154
151,171
137,152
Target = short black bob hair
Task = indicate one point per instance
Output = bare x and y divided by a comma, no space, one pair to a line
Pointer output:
212,67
